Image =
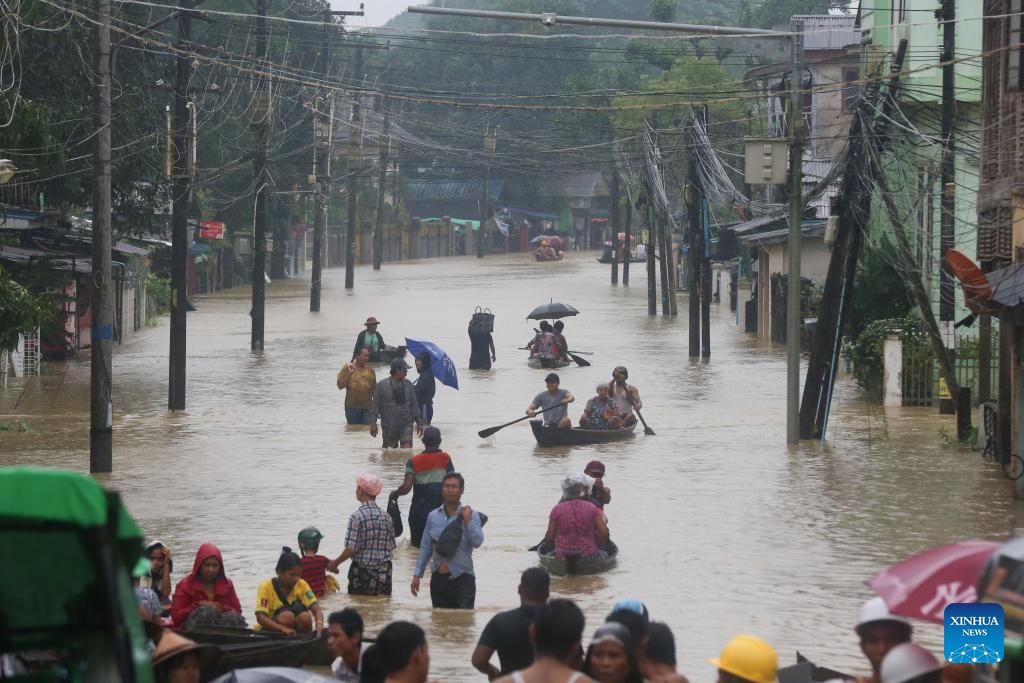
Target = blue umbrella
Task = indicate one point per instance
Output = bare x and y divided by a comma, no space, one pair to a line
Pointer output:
441,365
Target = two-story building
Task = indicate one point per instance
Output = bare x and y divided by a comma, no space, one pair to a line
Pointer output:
912,158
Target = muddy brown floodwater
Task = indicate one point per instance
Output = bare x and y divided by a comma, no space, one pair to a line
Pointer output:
722,528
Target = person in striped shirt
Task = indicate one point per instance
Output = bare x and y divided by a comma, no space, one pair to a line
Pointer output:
424,473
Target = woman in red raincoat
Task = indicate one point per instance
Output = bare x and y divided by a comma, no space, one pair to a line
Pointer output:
206,596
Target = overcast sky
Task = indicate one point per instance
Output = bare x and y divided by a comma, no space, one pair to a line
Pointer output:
377,11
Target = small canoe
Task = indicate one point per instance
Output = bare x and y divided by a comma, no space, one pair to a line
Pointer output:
535,364
314,654
634,259
574,565
553,436
388,354
547,258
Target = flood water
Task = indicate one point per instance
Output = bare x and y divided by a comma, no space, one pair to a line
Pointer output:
722,528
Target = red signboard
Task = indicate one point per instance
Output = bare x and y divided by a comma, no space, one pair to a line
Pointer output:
211,230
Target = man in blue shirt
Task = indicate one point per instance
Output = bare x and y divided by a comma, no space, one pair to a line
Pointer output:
452,581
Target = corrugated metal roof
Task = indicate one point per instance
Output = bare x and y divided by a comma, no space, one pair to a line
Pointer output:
829,31
450,190
808,228
755,223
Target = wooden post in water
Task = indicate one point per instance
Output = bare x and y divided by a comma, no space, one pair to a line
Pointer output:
614,222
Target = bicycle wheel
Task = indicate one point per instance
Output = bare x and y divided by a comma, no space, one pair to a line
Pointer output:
1013,467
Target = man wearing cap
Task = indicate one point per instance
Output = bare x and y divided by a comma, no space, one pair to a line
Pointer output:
394,404
424,473
879,632
369,542
371,339
553,402
626,396
600,495
747,659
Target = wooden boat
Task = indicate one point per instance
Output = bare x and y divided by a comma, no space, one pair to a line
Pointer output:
553,436
633,259
281,651
556,257
535,364
574,565
314,651
388,354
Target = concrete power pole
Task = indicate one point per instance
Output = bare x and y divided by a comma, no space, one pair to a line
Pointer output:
322,126
181,191
947,221
355,141
101,407
261,125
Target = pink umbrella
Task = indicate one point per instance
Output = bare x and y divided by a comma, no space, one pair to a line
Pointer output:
922,585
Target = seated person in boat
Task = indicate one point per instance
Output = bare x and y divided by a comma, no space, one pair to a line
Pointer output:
286,604
600,412
576,526
370,338
553,402
544,346
626,396
560,343
206,596
545,252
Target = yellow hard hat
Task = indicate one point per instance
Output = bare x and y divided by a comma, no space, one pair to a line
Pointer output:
750,658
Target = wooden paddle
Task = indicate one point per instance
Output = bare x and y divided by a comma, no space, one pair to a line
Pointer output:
582,362
484,433
583,353
647,430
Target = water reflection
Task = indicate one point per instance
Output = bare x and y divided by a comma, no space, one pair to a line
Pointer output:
722,528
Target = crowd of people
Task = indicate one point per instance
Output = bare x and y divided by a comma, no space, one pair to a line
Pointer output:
543,641
539,641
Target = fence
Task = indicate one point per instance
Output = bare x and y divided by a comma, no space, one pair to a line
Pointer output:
919,373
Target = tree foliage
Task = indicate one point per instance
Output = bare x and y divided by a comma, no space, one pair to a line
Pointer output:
20,311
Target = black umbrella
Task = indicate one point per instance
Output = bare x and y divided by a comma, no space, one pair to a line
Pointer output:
552,310
271,674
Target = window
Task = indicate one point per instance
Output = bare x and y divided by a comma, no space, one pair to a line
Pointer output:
1014,48
851,88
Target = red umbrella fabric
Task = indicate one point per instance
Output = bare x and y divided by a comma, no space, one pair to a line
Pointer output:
922,585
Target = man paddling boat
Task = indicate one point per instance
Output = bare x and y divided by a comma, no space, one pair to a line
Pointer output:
626,396
553,402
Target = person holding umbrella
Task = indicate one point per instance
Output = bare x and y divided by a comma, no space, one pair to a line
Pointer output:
425,386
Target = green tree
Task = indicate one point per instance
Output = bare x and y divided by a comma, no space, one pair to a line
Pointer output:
20,311
663,10
776,13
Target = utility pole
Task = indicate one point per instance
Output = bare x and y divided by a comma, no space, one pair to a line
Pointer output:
181,192
322,126
260,122
355,141
852,208
385,150
101,407
947,229
652,282
794,126
705,281
485,201
627,253
694,200
615,227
